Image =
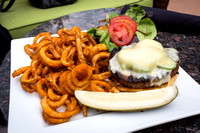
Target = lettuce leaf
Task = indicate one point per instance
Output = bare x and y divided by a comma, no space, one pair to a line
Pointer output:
112,15
136,13
146,29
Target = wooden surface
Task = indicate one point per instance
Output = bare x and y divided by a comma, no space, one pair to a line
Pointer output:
185,6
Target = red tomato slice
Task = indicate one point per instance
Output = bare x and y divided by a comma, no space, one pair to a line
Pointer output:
121,33
130,23
122,17
122,29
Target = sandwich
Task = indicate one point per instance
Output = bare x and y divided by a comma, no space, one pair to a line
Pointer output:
144,65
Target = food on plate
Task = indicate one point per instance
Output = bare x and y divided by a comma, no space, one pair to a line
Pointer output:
51,112
84,108
74,66
144,65
122,29
59,66
126,101
54,120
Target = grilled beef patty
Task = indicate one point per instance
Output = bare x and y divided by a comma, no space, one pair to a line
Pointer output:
132,80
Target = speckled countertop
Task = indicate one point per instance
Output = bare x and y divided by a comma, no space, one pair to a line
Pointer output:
187,45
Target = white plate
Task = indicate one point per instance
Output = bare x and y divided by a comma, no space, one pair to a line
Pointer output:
25,112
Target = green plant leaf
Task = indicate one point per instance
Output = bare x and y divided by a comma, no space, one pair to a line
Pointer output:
92,32
109,44
146,29
104,35
136,13
113,14
99,32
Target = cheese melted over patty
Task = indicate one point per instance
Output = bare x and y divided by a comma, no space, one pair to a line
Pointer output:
157,76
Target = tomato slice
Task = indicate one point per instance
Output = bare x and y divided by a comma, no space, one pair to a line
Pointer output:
122,29
122,17
121,33
130,23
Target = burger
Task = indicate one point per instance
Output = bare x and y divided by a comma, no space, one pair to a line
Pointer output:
144,65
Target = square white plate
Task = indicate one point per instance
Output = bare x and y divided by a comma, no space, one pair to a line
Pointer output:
25,111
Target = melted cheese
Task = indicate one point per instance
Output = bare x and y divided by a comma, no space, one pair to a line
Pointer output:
157,75
145,56
140,59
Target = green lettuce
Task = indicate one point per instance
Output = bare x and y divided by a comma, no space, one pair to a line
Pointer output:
136,13
146,29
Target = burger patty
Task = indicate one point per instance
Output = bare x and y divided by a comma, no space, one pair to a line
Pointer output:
132,80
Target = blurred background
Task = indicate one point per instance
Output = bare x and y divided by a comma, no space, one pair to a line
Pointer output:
183,6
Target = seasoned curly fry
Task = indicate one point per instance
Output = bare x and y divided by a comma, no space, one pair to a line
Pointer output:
40,87
63,83
20,71
52,95
40,36
114,90
53,82
44,71
49,55
34,65
71,55
49,62
26,77
38,71
97,48
79,48
71,103
84,108
28,51
99,56
81,75
100,86
65,34
59,66
46,38
91,39
72,86
28,88
54,52
41,44
101,76
57,104
65,56
52,113
52,120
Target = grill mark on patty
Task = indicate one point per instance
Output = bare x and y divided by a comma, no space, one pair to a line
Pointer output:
133,82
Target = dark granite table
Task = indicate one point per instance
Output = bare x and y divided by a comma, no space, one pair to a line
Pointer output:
187,45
